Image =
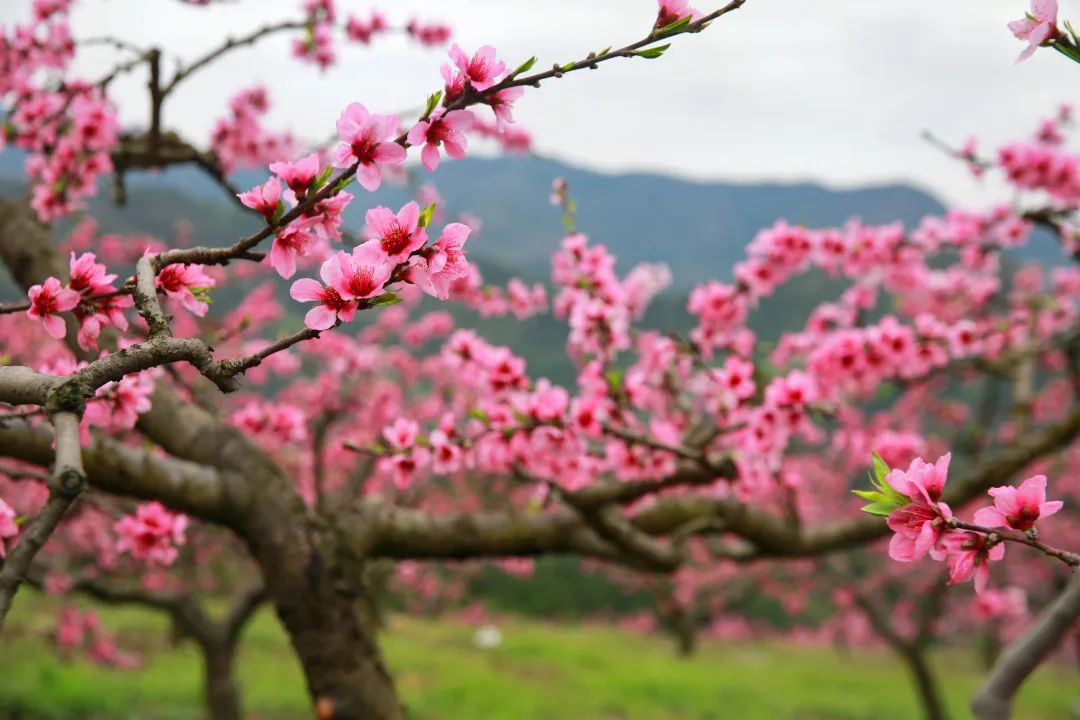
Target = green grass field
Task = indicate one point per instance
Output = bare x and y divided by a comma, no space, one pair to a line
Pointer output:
541,671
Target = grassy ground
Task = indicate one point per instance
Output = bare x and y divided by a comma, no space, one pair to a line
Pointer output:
541,671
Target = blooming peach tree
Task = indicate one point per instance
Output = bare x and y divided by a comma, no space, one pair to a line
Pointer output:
140,429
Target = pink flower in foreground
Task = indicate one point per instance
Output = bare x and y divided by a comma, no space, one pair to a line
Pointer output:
187,285
367,139
8,528
922,482
396,237
152,533
1018,508
263,198
347,278
673,11
298,175
47,301
1036,27
444,129
919,526
358,276
87,275
970,555
436,267
482,70
402,433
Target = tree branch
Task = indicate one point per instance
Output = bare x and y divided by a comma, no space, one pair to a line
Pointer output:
994,699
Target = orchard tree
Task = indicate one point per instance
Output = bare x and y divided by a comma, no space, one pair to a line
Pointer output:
378,449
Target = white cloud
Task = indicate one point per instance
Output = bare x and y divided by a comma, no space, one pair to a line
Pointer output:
834,90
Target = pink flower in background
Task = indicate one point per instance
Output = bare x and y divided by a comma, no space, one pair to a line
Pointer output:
402,433
47,301
482,70
1018,508
367,139
186,284
396,237
263,198
291,242
442,128
1037,27
152,533
298,175
8,528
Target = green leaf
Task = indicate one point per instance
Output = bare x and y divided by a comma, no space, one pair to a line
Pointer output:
614,379
278,212
878,509
605,51
524,67
425,217
881,468
323,177
478,414
432,103
653,52
871,495
344,183
388,298
378,448
568,65
677,26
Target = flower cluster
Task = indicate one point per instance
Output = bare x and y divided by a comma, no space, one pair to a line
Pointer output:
922,524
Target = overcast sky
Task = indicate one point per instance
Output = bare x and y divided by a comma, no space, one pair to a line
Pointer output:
835,91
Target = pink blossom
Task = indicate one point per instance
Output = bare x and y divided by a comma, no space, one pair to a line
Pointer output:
362,31
367,139
263,198
88,276
1037,27
435,268
8,528
342,274
47,301
922,482
396,237
430,34
482,70
502,104
187,284
674,10
152,533
358,276
297,175
290,242
969,556
1018,508
444,129
919,526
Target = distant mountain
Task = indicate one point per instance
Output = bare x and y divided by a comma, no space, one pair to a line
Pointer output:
700,229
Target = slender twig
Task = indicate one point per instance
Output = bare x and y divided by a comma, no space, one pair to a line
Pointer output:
1030,539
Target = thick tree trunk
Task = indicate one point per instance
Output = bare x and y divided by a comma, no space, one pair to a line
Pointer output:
685,633
220,693
314,581
925,682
